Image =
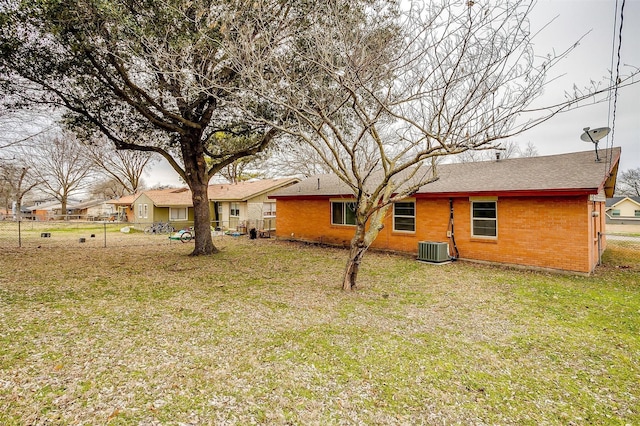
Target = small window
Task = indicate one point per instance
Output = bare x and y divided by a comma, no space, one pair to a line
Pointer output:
404,216
636,213
178,213
143,211
343,213
485,219
269,209
615,212
234,210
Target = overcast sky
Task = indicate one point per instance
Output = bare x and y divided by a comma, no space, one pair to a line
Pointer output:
568,21
590,61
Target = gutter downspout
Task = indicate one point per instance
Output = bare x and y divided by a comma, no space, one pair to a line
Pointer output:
452,236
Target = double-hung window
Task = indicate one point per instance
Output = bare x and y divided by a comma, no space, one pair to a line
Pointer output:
269,209
404,216
343,213
143,211
177,213
234,210
484,216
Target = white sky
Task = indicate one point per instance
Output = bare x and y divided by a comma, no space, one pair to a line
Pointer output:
591,60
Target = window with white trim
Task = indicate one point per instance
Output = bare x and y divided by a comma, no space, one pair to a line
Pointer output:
636,213
404,216
484,215
177,213
615,212
143,211
234,210
269,209
343,213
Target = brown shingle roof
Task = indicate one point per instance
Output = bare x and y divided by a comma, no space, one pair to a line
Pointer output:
554,173
172,197
243,191
181,197
125,200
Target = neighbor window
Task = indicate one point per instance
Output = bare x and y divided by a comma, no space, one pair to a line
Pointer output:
177,213
269,209
143,211
485,219
615,212
636,213
343,213
234,210
404,216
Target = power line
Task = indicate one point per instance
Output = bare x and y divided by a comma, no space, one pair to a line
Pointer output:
616,79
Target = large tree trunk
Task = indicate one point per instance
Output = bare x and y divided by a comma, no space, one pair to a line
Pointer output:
197,178
202,221
367,231
356,253
63,208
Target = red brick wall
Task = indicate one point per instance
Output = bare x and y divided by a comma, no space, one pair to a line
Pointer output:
550,232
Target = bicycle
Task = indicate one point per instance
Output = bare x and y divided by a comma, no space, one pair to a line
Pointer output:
159,228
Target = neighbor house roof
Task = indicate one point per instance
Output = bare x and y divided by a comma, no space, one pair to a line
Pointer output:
181,197
51,206
566,174
614,201
171,197
89,203
125,200
243,191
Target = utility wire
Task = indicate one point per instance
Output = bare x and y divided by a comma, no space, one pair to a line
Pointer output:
616,79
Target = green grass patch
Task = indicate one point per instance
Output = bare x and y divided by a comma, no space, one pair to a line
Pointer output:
261,333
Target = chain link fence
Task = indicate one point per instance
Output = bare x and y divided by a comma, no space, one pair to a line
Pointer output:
625,247
82,234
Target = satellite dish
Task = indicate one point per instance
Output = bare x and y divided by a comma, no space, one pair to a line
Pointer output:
594,135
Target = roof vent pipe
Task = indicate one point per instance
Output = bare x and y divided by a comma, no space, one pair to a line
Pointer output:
497,156
318,183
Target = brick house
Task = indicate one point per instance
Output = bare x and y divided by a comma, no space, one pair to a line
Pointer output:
542,212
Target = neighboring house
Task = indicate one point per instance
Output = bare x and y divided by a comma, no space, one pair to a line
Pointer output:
124,207
94,210
163,205
545,212
239,206
51,210
246,205
623,210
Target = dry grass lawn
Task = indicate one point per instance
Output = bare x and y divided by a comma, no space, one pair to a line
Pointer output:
261,334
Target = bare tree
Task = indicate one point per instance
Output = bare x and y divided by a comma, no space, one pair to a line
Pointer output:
108,188
629,183
436,79
122,169
16,181
60,164
529,150
242,169
504,150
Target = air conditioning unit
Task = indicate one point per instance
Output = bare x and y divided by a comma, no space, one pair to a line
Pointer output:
433,252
